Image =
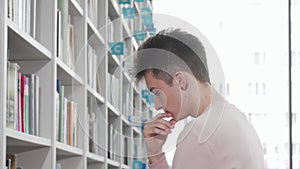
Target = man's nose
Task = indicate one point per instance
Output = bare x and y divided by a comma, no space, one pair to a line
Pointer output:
158,103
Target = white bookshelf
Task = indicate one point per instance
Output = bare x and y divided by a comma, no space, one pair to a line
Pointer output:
38,55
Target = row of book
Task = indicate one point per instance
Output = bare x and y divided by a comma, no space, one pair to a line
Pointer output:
23,14
65,35
93,123
93,69
126,103
113,84
23,100
11,162
93,133
66,117
110,30
113,139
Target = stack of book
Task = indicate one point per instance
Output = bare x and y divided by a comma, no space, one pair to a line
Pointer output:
112,142
66,117
23,14
92,127
23,100
113,90
65,35
93,68
92,11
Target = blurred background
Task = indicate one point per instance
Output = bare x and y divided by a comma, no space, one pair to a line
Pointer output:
251,39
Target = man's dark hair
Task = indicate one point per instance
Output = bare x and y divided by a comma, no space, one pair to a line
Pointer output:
185,46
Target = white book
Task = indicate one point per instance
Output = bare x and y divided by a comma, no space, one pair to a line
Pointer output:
12,92
65,122
28,11
24,15
75,124
58,37
32,18
37,105
57,114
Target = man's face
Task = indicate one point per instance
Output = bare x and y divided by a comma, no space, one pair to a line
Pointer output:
166,97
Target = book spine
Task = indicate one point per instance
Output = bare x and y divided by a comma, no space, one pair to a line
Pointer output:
12,111
70,123
33,18
23,103
19,125
58,37
61,109
31,101
75,124
37,105
65,122
26,105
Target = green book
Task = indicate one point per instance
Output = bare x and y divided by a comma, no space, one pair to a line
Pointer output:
61,112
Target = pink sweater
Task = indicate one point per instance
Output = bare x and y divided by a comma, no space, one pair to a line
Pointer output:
217,140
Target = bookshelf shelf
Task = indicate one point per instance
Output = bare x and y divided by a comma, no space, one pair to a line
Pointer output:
75,8
113,61
136,131
137,7
94,158
113,9
28,48
126,33
64,151
95,37
126,78
134,43
112,111
21,142
98,96
66,75
125,121
125,166
113,163
64,45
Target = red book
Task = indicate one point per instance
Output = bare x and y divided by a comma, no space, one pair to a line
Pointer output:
22,103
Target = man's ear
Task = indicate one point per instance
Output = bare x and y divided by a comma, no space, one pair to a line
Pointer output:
181,79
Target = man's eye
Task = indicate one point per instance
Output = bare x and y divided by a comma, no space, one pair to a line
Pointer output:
157,93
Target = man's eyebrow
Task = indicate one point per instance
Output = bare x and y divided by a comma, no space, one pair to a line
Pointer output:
152,88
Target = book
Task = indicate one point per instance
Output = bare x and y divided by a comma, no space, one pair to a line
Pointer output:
12,160
61,110
70,123
57,110
8,163
37,105
63,6
71,46
65,120
33,18
12,95
19,123
74,130
31,101
58,166
26,105
23,103
59,36
92,133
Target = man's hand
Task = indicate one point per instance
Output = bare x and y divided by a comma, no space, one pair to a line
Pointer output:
155,134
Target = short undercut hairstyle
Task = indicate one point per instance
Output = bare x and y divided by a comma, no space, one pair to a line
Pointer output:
183,45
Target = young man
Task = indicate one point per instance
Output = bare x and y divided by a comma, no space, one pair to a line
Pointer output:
174,67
